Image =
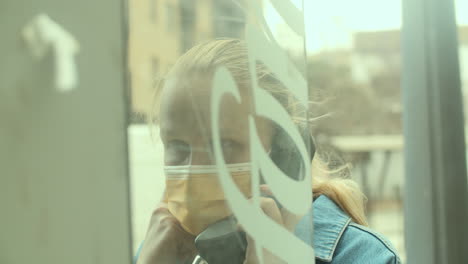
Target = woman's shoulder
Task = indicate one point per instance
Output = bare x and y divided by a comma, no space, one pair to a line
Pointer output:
338,240
359,244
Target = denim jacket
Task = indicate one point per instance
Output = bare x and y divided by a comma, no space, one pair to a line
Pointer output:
337,240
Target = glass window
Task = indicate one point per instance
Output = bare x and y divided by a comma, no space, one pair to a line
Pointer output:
252,131
349,114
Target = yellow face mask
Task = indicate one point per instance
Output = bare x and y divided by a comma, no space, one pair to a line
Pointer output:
195,196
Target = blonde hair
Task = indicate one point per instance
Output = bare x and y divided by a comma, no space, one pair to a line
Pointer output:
232,54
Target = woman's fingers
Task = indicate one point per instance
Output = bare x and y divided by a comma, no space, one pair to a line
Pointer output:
265,190
270,208
288,219
166,241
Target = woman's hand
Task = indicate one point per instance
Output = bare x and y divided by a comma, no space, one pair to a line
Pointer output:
166,241
280,216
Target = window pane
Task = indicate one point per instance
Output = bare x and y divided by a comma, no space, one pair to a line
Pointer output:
300,105
354,71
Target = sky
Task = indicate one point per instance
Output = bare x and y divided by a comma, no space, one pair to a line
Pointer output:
329,24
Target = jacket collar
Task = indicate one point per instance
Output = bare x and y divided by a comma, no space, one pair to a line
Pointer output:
329,224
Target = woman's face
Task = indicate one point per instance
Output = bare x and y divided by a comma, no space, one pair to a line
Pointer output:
185,124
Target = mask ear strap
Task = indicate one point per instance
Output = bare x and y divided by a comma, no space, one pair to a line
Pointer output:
191,155
313,148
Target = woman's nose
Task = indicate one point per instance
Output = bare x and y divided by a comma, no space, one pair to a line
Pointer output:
201,156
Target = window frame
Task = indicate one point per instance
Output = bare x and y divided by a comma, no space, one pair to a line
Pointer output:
436,195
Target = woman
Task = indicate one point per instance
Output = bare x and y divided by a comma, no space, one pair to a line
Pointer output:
182,109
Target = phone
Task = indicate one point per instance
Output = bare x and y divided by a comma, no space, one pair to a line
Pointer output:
222,242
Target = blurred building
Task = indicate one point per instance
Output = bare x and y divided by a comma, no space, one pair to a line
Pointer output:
376,61
375,52
161,30
154,44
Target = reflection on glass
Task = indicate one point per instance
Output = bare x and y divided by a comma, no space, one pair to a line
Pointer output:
230,172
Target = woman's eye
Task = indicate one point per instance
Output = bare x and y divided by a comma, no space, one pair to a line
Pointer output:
176,152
